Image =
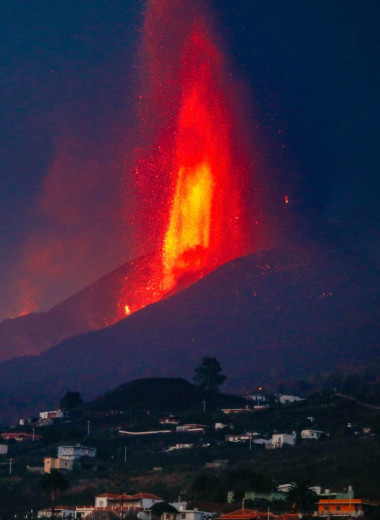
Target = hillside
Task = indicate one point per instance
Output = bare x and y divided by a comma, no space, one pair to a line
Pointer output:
162,394
271,314
96,306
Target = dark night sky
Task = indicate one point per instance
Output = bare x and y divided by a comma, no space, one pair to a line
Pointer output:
68,84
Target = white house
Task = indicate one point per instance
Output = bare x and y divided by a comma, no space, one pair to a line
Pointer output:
75,452
183,513
83,511
279,439
243,437
191,428
53,414
287,399
257,398
311,434
3,449
60,511
180,446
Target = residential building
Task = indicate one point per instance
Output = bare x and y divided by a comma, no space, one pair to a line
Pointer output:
137,502
287,399
192,428
257,398
182,513
60,511
243,437
345,507
256,495
279,439
75,452
3,449
58,464
180,446
311,434
20,436
53,414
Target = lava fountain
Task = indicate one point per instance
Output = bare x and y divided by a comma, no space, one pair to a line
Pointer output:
193,166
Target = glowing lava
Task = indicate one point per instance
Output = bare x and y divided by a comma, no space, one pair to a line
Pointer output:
189,227
194,164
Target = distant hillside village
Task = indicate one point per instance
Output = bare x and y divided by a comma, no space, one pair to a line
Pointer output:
261,456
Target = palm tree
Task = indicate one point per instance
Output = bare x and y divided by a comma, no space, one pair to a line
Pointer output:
54,483
301,496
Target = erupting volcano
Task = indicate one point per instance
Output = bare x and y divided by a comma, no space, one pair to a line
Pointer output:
193,163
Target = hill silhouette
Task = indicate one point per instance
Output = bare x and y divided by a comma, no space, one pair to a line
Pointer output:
162,394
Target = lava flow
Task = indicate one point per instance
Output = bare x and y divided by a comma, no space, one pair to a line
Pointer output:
193,165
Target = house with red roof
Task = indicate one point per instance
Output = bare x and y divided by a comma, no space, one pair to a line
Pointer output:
137,502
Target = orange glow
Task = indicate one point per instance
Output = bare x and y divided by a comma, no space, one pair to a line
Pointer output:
127,310
189,226
194,167
204,210
286,199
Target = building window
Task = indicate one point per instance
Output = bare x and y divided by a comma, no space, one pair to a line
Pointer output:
183,515
338,508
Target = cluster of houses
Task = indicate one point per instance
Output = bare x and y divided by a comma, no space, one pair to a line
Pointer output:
330,504
278,440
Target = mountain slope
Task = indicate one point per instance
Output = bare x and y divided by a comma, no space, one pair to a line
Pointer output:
268,315
95,307
161,394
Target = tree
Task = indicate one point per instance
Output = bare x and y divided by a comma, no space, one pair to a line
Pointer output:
159,508
209,374
301,497
70,400
54,483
